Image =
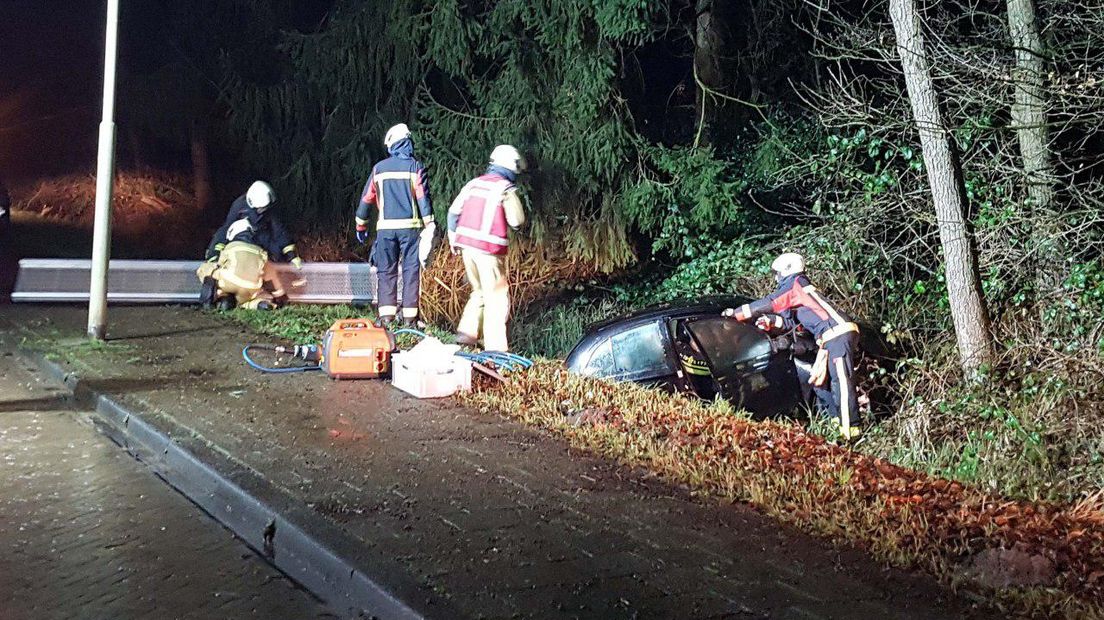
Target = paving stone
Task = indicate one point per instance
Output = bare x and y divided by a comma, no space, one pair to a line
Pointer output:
100,537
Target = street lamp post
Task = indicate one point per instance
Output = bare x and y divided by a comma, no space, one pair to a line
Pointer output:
105,177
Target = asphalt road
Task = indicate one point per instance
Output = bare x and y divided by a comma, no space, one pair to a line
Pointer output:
88,532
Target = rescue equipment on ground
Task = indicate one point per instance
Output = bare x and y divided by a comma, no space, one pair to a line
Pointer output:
356,349
431,369
360,349
351,349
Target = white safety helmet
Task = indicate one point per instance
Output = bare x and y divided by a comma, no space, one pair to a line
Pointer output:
507,157
788,264
260,196
238,228
396,133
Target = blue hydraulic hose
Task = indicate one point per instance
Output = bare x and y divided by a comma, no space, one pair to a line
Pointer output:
524,361
249,360
505,360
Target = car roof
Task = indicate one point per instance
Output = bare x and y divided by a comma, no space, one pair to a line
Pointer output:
669,310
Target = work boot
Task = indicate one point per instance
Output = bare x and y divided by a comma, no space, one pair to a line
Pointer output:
410,322
386,321
226,303
466,340
848,434
265,305
207,293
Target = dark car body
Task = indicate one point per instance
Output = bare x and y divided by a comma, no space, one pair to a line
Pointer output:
764,375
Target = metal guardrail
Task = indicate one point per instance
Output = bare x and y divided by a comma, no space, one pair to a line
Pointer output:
163,281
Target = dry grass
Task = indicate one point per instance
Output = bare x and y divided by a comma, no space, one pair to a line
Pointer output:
144,206
900,515
534,272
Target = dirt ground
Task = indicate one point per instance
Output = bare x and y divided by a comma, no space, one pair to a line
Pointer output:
494,518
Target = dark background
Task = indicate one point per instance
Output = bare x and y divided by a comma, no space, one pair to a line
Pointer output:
51,72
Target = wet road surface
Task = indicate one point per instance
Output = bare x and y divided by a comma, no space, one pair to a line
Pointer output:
88,532
470,511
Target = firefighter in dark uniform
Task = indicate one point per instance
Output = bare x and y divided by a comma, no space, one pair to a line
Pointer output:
398,189
796,302
238,259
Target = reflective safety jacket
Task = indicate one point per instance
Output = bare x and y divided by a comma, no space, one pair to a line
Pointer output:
399,190
242,264
266,231
483,212
797,302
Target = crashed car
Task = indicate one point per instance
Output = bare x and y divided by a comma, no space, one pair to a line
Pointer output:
766,375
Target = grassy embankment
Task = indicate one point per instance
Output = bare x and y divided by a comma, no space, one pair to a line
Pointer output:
903,516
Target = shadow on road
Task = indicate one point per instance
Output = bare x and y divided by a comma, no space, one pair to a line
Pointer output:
49,403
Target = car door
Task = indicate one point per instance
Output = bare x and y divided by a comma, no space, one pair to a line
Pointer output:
750,373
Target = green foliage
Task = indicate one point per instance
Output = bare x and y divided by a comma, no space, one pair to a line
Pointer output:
553,332
740,267
306,324
688,202
1010,438
467,75
1074,318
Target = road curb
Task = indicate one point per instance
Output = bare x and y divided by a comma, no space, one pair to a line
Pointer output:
311,551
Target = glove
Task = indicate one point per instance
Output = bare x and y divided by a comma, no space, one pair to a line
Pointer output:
425,243
298,262
729,313
362,236
452,244
764,323
818,374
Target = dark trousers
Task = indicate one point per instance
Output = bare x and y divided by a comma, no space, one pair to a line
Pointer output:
839,397
395,248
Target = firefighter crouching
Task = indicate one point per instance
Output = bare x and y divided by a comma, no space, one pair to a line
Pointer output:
398,188
797,302
239,257
478,221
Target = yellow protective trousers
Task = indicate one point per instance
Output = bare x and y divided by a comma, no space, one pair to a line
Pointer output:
489,304
241,271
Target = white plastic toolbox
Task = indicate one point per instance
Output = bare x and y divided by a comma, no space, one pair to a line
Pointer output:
411,375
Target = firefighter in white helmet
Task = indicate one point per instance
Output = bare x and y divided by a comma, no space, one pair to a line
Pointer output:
398,189
797,303
238,259
478,223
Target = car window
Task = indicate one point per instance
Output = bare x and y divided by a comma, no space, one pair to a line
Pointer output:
641,350
731,345
601,361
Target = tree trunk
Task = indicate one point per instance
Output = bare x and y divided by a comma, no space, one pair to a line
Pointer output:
708,65
1029,120
971,319
201,167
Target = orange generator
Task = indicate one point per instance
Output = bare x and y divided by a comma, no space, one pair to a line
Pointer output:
357,349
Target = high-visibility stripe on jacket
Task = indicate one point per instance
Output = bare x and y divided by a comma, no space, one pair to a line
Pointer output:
482,224
399,189
798,301
268,232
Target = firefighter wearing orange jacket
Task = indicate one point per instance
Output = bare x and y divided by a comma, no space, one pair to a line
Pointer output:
797,302
478,221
